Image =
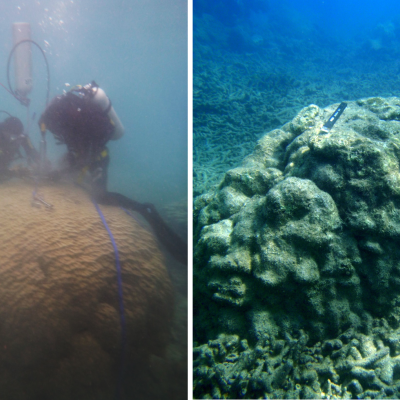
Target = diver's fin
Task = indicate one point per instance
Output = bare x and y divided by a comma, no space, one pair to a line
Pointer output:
173,243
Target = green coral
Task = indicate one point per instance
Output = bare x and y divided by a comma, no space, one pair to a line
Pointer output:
304,235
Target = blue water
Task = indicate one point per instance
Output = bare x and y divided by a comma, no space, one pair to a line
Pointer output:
343,18
257,63
136,51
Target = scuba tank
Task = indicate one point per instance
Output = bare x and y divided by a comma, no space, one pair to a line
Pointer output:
98,96
23,58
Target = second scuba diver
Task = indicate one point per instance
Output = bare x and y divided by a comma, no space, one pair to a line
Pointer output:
12,138
84,120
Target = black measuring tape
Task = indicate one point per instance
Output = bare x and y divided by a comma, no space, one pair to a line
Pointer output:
333,118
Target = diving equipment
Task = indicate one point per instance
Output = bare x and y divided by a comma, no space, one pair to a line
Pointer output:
98,96
22,58
23,64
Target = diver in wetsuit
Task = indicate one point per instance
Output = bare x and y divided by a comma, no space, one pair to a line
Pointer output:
85,127
12,138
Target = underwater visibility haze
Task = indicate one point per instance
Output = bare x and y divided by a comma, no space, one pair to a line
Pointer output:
296,182
94,297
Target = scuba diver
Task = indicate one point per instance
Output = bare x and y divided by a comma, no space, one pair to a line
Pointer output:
12,138
84,120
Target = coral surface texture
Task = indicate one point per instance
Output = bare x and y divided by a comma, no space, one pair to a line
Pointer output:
60,330
297,262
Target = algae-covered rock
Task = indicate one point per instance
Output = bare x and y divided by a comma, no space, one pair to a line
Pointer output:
304,235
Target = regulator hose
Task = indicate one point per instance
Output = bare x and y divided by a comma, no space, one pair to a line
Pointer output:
23,100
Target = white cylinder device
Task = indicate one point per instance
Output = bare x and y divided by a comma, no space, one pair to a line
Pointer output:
103,101
22,58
